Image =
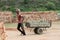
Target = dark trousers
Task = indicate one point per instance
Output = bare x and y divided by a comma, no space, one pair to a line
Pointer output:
21,28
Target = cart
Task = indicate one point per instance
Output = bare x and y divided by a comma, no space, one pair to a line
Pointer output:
38,25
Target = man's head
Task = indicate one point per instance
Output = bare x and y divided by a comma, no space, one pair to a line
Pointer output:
17,10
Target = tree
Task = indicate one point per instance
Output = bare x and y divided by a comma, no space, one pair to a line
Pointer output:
26,1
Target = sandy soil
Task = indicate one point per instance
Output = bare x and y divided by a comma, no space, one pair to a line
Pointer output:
52,33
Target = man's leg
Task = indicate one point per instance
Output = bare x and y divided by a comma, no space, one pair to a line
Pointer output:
23,29
18,27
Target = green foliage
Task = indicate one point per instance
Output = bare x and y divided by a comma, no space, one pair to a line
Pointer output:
42,9
4,8
50,6
30,5
26,1
11,8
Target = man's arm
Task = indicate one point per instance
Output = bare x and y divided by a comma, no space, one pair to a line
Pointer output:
25,19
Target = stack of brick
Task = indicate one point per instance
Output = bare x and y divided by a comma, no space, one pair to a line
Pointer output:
48,15
6,16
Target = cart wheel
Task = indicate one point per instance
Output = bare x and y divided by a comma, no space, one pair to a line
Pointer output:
38,30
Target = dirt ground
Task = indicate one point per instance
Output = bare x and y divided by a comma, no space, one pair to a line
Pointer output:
52,33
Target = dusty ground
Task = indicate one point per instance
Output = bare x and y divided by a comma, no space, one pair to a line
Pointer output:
52,33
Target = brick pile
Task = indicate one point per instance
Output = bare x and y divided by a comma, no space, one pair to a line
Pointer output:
48,15
6,16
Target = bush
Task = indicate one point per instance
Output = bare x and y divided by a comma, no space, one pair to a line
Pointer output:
3,8
11,8
50,6
42,9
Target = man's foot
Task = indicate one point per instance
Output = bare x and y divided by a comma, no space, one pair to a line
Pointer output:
24,34
21,34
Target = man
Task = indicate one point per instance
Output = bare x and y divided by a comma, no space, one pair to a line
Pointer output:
20,22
